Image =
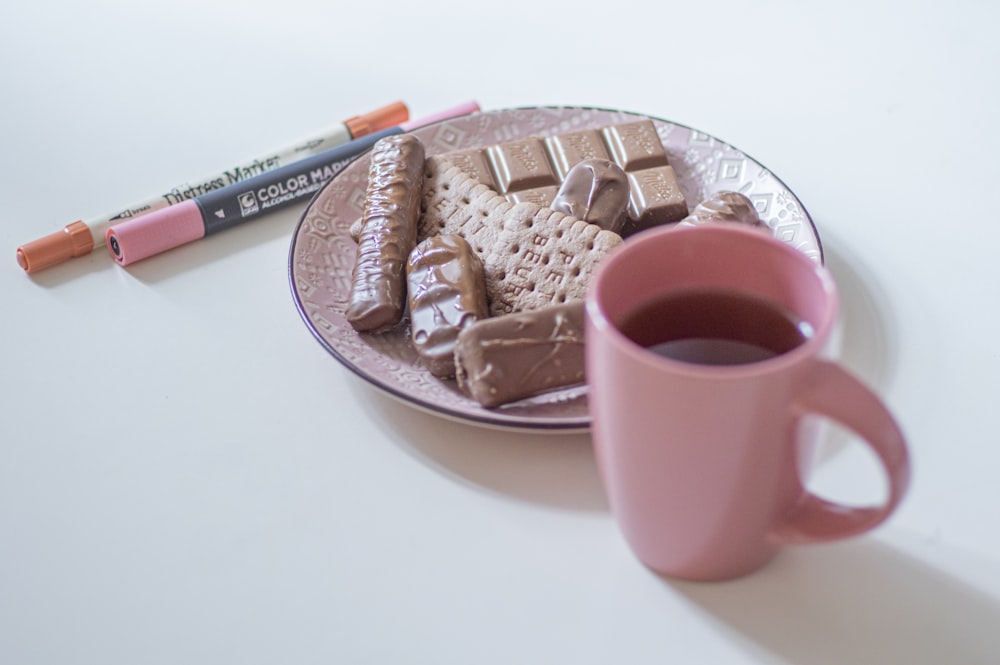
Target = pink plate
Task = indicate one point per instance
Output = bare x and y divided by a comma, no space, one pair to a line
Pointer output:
322,253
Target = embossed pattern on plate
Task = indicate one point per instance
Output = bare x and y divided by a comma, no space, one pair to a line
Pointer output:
321,257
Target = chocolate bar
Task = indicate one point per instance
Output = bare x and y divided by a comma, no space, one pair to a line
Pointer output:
725,207
388,233
510,357
447,292
596,191
533,168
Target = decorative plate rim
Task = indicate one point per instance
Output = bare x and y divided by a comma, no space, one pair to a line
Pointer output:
493,418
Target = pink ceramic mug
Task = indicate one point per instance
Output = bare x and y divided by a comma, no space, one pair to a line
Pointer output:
702,462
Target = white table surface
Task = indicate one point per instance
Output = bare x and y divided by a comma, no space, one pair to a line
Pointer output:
186,476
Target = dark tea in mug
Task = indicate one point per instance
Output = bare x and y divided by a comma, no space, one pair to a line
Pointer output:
714,327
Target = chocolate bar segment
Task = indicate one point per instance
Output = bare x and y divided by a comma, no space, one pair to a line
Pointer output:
540,196
635,145
532,169
447,292
473,163
655,196
521,165
510,357
567,150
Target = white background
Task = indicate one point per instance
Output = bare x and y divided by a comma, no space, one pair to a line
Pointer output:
187,477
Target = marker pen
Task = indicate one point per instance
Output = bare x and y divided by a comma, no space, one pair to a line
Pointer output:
220,209
81,237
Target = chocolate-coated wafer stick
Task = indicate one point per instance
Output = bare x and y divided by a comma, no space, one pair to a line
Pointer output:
388,234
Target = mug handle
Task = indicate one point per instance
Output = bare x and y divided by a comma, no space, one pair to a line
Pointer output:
834,393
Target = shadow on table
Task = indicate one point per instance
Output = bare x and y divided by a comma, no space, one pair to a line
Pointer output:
867,327
864,338
556,470
860,602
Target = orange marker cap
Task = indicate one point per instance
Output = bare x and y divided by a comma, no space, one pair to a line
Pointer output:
74,240
383,118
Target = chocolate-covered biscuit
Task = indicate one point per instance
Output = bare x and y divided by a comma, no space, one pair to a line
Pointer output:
447,292
532,256
596,191
510,357
388,233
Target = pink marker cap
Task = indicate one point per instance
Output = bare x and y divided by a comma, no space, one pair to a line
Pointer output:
455,111
156,232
